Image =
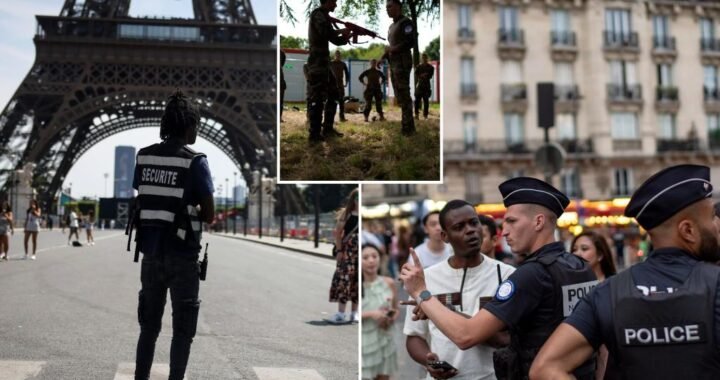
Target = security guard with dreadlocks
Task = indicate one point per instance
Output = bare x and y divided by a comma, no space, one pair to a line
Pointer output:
172,180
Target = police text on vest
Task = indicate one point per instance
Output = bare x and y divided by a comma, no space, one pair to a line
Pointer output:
650,336
572,294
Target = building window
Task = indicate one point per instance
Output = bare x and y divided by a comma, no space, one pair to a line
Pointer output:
467,77
564,74
465,16
516,173
618,25
666,125
514,133
710,82
664,75
661,32
511,72
622,73
472,187
470,130
566,126
400,190
713,128
570,183
561,33
624,126
623,181
509,19
707,29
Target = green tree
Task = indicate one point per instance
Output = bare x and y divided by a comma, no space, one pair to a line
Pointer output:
433,50
290,42
369,10
331,197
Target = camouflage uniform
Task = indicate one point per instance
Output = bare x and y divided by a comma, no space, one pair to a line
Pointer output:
373,89
401,36
321,87
342,76
423,72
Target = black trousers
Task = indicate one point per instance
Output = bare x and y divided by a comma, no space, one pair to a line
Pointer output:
180,275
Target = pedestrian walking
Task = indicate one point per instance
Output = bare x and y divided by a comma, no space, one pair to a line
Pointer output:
89,226
6,229
344,286
73,223
32,227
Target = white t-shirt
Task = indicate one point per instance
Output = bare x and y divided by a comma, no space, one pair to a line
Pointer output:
481,281
429,258
73,220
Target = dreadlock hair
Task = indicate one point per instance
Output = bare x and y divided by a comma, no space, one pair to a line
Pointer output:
180,116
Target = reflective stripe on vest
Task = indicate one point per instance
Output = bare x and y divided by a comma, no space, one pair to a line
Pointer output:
158,215
161,191
164,161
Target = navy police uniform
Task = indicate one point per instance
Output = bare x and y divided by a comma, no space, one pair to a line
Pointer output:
535,299
170,179
661,318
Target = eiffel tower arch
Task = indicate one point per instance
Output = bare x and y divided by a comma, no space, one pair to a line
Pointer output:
98,72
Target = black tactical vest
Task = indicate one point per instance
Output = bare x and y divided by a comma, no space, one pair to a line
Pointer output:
570,285
164,177
667,335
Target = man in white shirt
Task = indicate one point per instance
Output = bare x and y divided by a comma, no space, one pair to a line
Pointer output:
434,249
459,283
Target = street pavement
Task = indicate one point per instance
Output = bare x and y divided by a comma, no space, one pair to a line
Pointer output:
72,314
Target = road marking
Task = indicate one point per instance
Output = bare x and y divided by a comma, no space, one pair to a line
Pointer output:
19,370
287,374
126,371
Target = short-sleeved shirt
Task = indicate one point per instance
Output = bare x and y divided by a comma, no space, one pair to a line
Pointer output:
481,281
151,239
664,271
529,302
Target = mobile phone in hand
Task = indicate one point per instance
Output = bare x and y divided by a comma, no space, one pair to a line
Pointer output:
443,365
390,313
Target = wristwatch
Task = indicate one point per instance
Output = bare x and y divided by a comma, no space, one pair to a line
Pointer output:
424,296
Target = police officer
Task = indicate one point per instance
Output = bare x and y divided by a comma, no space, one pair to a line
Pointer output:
322,88
423,73
373,89
342,77
401,36
660,319
536,297
172,180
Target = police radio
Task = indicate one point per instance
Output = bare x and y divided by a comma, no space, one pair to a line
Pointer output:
203,265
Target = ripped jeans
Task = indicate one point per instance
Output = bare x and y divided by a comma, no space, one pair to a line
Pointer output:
179,274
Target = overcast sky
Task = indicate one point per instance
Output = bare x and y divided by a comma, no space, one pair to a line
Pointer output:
17,28
428,30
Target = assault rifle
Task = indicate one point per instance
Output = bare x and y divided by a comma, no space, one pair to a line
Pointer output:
356,30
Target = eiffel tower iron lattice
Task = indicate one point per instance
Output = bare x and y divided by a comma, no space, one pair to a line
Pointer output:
98,72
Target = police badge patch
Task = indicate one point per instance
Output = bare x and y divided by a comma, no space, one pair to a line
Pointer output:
408,29
505,291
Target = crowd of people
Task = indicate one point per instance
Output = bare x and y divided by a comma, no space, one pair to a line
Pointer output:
34,221
514,299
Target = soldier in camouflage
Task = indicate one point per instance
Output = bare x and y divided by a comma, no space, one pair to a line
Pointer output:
342,77
322,89
373,89
423,73
401,36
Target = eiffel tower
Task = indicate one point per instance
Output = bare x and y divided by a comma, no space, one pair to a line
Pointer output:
98,72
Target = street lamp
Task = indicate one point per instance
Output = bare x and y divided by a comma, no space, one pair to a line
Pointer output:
234,202
226,203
